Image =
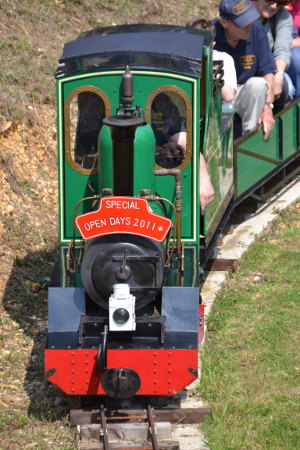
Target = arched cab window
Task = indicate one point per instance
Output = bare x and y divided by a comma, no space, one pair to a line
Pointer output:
85,109
168,110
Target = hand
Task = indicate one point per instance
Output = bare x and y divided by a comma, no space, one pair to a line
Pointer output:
206,190
170,152
278,81
266,121
207,193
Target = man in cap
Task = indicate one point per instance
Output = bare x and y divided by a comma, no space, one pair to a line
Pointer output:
240,34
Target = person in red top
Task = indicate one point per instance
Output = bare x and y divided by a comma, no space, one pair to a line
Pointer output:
294,9
294,69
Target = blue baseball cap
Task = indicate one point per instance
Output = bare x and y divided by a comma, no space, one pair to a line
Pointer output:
240,12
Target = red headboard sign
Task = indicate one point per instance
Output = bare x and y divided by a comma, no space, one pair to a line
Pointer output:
129,215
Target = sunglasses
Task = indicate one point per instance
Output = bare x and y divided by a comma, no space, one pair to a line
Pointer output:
279,2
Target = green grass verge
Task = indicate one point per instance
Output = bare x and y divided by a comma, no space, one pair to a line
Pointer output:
251,362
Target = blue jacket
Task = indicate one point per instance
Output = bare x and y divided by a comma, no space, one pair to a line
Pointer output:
252,57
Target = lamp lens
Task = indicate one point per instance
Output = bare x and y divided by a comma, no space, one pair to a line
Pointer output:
120,315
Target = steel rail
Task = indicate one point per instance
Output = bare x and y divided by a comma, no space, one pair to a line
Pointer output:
152,428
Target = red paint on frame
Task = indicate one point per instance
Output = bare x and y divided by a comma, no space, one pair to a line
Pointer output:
162,372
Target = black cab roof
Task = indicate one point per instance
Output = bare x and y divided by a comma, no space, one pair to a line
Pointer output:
158,47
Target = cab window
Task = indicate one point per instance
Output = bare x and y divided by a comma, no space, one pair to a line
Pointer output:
84,112
169,118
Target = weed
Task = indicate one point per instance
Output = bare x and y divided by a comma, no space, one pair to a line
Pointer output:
19,261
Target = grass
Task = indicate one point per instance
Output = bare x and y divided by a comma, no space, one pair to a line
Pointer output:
251,362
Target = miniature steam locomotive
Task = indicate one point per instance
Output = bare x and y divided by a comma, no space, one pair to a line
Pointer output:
124,298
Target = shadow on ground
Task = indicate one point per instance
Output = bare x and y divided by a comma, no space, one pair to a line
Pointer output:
25,300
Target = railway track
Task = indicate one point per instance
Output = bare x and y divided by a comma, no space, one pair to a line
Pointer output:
125,429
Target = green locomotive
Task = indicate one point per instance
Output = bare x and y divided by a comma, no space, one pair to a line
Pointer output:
121,91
